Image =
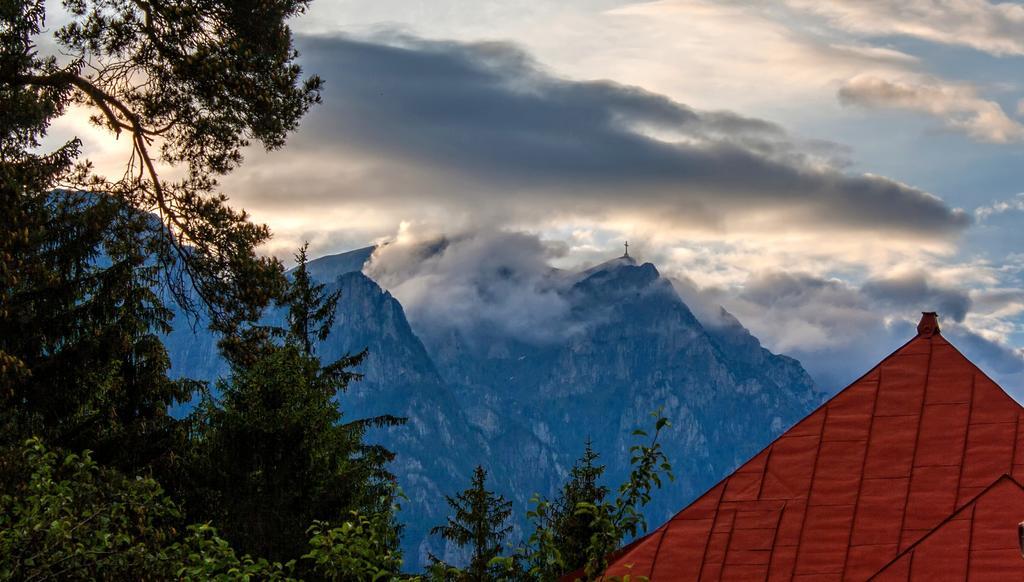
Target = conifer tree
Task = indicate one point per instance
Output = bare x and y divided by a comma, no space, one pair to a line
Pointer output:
579,530
480,521
189,84
572,528
274,452
310,309
186,84
84,366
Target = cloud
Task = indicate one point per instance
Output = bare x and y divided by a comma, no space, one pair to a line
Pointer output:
838,330
736,48
994,357
958,105
730,51
912,291
992,27
1015,204
492,285
797,311
483,284
483,131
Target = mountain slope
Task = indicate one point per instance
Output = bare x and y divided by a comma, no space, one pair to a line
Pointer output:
523,408
638,348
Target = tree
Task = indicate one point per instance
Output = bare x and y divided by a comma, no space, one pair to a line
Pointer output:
480,521
573,528
562,531
577,533
189,84
615,521
68,518
25,175
310,309
274,454
79,319
360,547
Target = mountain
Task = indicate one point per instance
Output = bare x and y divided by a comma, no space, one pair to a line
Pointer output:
638,348
524,407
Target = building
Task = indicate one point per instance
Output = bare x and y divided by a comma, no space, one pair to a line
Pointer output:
913,472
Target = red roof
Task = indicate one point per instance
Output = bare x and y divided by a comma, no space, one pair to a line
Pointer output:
890,461
971,544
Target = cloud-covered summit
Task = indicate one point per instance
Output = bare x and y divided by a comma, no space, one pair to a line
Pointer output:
480,283
491,286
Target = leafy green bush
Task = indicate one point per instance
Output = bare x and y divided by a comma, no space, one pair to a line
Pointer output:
360,548
72,519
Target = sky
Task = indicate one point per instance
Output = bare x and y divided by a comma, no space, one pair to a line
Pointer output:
823,169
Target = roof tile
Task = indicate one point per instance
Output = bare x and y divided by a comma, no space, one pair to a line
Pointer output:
903,460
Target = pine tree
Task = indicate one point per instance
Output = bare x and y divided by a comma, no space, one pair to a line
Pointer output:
274,454
80,359
573,529
480,521
185,84
78,329
579,530
310,309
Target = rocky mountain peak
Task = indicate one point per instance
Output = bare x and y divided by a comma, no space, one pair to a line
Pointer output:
523,408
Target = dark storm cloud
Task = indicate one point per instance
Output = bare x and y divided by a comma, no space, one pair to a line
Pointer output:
472,124
913,291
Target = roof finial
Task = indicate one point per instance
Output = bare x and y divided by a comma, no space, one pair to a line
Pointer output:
627,249
929,325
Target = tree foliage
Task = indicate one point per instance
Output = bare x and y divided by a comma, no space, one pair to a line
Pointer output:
562,529
360,547
572,528
614,521
273,451
577,533
310,308
188,84
84,260
479,521
80,318
67,518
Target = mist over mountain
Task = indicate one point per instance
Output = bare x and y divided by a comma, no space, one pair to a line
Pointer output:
498,359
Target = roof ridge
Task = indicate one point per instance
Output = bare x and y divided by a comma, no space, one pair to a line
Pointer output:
767,447
949,518
932,400
982,372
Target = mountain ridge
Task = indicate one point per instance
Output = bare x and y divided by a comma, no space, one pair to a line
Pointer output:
523,408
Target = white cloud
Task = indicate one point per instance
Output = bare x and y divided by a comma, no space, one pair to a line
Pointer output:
958,105
992,27
1015,204
710,53
482,283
